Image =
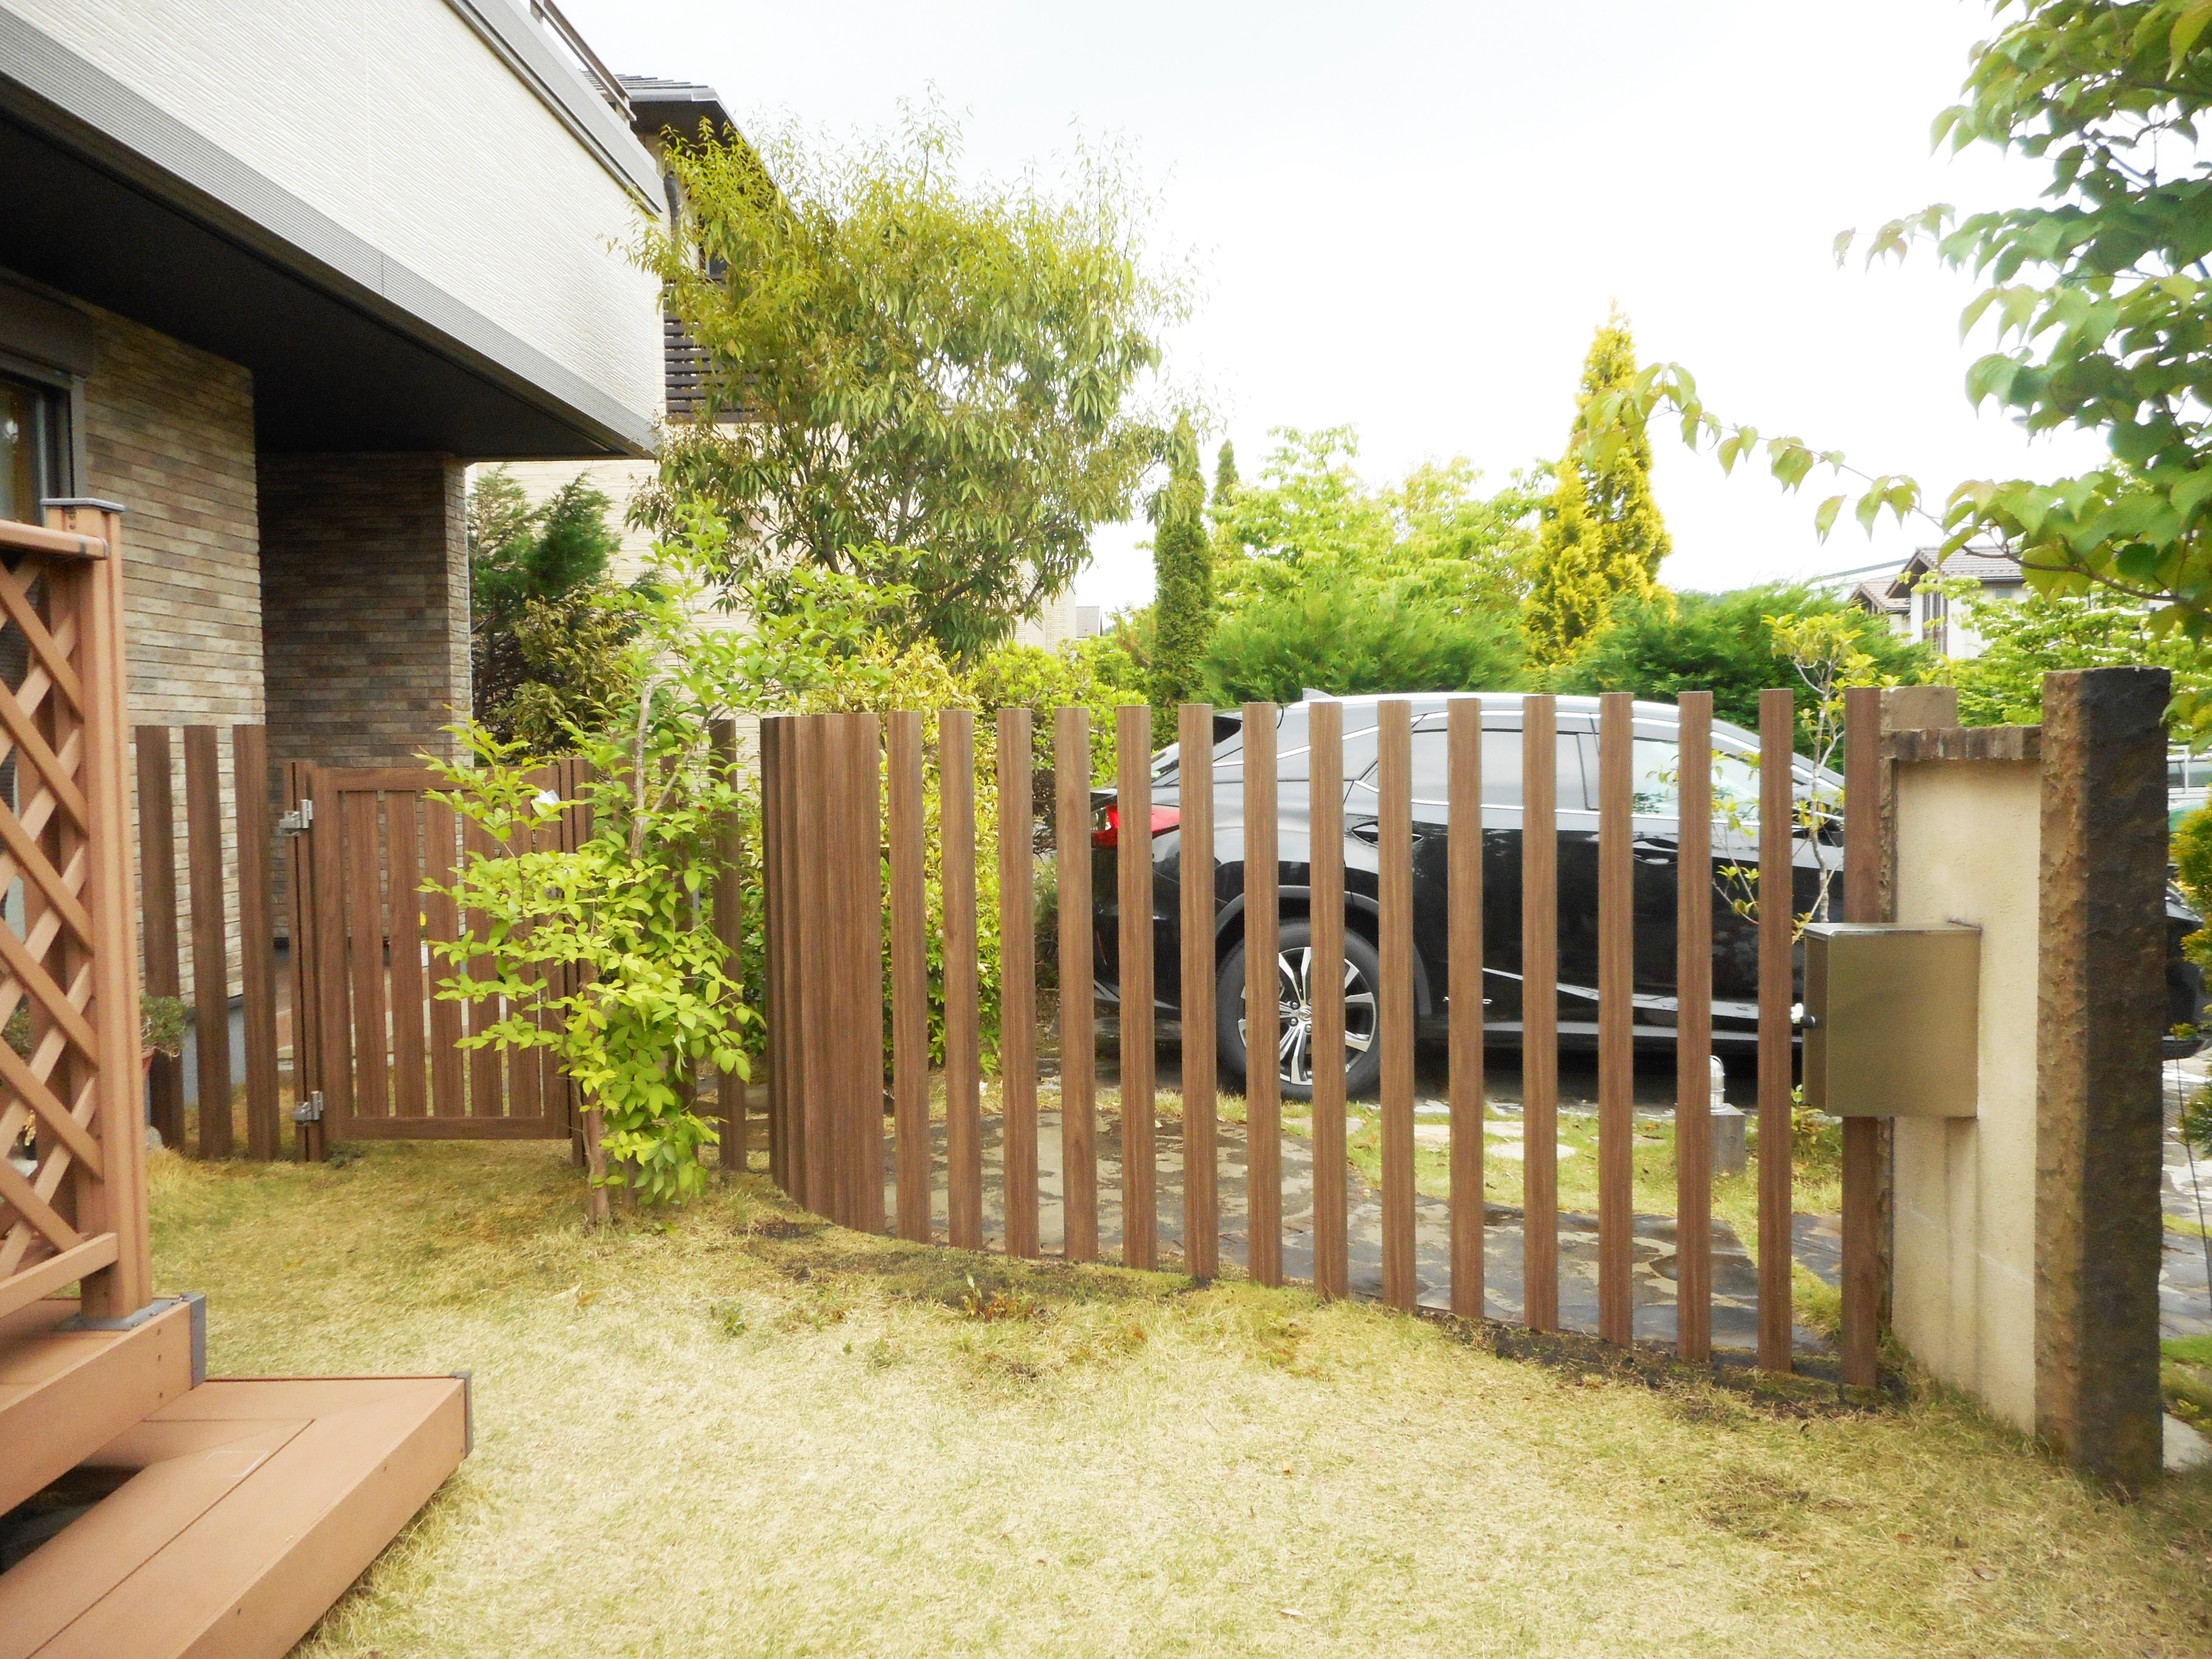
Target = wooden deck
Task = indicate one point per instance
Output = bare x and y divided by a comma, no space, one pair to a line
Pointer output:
236,1514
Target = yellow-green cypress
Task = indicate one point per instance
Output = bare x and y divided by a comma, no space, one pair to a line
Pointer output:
1601,534
1183,574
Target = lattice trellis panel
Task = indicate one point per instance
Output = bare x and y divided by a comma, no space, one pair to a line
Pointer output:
71,1193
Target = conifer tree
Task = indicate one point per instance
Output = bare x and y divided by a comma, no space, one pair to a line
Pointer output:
1225,476
1601,534
1182,574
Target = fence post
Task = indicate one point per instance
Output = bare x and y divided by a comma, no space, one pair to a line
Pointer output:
1394,1001
1071,778
1201,1190
1694,1033
1017,1068
1133,865
1616,908
1777,927
1540,1012
729,933
908,828
1325,796
1464,1001
963,1111
1861,1172
249,778
1263,1110
157,876
210,946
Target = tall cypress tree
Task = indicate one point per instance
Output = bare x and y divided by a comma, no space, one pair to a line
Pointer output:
1182,574
1224,475
1601,534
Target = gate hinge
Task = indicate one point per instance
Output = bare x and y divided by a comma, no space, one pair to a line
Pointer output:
298,822
309,1111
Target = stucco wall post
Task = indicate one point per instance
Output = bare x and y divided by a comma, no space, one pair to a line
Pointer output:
2099,1110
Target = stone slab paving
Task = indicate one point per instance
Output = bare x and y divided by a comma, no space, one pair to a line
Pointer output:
2185,1287
1736,1279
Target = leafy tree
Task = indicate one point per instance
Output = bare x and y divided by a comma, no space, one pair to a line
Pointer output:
1359,637
2113,333
937,378
2024,639
1225,476
1182,570
1734,645
1602,534
536,578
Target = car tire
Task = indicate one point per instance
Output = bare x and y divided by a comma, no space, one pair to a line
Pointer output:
1363,973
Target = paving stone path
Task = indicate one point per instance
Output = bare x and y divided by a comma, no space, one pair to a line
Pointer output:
1736,1279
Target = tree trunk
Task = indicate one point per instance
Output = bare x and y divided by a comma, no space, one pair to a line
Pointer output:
595,1165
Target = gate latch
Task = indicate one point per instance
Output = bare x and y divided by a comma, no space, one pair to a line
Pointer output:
297,822
309,1111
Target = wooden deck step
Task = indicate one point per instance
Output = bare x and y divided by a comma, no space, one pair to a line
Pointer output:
66,1392
246,1509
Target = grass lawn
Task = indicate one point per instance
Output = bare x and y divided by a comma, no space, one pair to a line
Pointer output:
736,1431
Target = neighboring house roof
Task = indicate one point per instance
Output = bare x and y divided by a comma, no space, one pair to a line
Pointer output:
1990,566
1875,596
658,106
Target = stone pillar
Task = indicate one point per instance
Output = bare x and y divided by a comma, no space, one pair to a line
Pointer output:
2099,1115
365,606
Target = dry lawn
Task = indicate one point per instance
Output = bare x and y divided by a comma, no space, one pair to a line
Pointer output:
736,1431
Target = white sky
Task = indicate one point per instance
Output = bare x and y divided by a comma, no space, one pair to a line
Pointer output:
1410,217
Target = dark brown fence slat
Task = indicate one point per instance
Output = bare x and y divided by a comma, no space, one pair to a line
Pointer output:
1395,1003
1133,866
1463,815
1861,1172
1201,1187
364,914
1018,1064
1071,763
448,1068
249,774
487,1071
1777,926
525,1095
964,1110
730,933
1694,1034
334,1017
157,872
1616,1037
830,1154
814,1170
1325,978
864,974
909,834
210,946
1263,1108
1540,1012
308,998
410,1057
775,891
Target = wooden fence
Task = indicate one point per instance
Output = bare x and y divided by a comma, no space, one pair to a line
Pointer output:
828,842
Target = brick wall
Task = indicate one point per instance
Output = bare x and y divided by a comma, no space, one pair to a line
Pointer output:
169,433
365,606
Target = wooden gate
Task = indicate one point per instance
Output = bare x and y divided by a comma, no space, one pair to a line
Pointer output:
379,1052
78,1213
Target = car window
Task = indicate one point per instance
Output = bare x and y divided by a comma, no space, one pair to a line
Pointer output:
1501,771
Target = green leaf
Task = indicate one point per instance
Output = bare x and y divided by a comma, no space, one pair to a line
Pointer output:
1824,519
2186,29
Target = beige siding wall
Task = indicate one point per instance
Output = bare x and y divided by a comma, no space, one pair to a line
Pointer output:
397,121
169,433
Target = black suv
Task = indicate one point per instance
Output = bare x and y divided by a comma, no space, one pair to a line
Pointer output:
1656,751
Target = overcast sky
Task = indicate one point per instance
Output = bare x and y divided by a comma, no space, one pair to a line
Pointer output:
1409,218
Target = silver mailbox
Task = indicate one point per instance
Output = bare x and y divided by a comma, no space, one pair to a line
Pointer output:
1892,1026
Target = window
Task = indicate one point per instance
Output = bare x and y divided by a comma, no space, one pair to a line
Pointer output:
34,442
1501,771
1935,610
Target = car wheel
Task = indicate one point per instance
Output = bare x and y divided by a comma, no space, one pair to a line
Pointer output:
1363,970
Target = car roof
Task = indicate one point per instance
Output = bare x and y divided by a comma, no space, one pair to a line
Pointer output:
1566,704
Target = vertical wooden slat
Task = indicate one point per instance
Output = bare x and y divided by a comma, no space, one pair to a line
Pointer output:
1540,1011
1694,1034
440,853
1201,1189
813,1157
865,762
365,954
257,938
1777,929
487,1071
1325,977
334,1022
1133,866
964,1110
1463,816
828,988
1017,1066
1263,1108
1395,1022
1616,1038
1862,1171
774,894
909,974
409,1045
1070,768
157,910
791,1059
730,932
526,1068
210,941
306,956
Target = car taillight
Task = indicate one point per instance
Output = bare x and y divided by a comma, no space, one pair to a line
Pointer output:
1163,819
